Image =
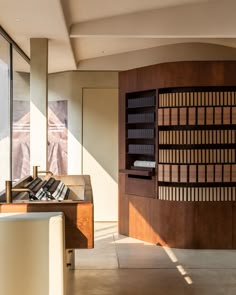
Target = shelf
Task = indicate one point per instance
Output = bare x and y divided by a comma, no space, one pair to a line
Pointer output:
191,89
197,106
196,163
196,127
140,123
140,140
141,107
138,172
196,146
197,184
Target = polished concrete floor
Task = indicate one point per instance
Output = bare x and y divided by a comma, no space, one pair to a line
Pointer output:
125,266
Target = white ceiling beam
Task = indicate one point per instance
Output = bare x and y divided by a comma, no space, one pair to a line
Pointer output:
214,19
67,35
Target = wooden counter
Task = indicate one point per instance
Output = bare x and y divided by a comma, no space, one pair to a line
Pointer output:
79,216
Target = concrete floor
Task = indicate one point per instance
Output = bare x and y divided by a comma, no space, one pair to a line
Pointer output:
121,265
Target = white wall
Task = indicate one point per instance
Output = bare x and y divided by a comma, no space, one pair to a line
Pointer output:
100,149
93,152
72,86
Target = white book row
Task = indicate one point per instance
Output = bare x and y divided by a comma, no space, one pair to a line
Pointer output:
197,156
197,137
214,98
197,194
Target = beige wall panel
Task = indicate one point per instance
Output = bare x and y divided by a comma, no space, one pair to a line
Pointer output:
68,86
100,149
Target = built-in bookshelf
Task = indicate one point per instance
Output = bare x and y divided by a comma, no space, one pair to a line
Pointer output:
140,138
189,201
196,144
140,130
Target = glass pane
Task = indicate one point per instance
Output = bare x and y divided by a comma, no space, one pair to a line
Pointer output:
21,118
57,136
4,112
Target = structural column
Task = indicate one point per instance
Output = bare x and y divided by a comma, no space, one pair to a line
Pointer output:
39,102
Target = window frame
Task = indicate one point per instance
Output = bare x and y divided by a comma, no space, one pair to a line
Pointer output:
15,46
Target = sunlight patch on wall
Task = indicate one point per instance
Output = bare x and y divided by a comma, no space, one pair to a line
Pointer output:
105,189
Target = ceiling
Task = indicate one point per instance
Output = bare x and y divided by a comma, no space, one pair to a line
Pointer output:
96,34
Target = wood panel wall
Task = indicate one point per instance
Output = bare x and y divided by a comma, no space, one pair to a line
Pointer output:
182,224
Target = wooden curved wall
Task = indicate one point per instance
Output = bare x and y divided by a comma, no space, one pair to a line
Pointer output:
167,208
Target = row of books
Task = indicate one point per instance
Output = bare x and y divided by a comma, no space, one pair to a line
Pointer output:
197,173
139,102
197,194
141,133
197,116
141,118
145,149
197,156
214,98
197,137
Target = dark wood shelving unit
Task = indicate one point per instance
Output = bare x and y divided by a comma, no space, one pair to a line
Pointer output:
140,140
189,199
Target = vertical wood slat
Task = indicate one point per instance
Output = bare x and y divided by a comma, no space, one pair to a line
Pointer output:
192,116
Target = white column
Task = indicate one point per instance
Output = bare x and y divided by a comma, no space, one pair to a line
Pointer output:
39,102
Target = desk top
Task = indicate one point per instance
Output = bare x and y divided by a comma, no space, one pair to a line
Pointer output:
29,216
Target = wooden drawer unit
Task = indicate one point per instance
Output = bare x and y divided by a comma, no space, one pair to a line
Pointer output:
139,186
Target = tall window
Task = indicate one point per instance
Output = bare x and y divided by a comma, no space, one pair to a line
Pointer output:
5,130
21,118
14,111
